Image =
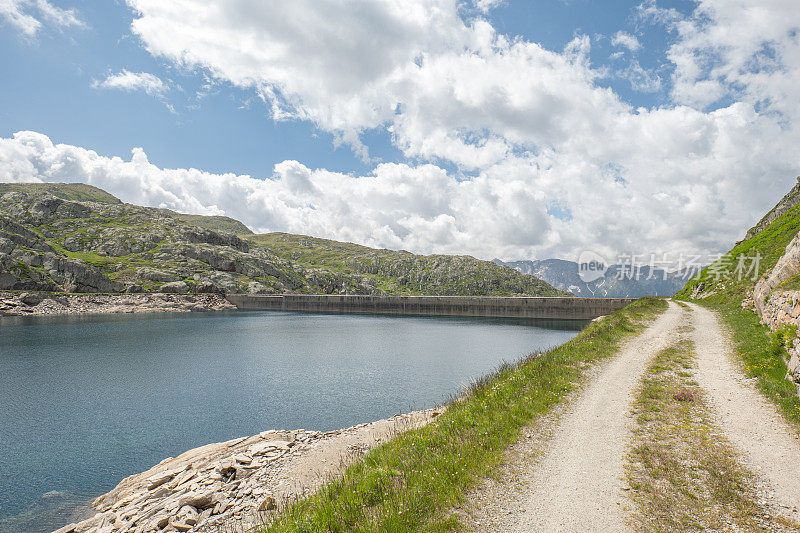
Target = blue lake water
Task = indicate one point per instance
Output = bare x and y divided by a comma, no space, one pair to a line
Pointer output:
86,401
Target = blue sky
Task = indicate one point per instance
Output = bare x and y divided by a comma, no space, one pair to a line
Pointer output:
49,80
48,88
516,129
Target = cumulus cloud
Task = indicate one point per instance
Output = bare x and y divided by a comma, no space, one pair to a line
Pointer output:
626,40
640,78
738,49
677,192
487,5
134,81
522,128
27,15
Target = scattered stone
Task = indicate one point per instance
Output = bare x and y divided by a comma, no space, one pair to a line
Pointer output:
30,298
200,500
11,304
177,287
779,310
159,479
267,504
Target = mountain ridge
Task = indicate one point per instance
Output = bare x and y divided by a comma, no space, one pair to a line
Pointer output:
617,281
78,238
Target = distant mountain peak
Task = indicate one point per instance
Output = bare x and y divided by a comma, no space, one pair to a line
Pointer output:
617,281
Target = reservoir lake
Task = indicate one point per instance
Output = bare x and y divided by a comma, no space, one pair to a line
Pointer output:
88,400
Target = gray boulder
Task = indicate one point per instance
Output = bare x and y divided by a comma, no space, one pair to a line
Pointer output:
73,210
7,280
27,257
160,276
175,287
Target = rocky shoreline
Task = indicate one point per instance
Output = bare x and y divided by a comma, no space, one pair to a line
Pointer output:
41,304
238,484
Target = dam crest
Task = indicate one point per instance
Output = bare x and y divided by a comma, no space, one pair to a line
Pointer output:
471,306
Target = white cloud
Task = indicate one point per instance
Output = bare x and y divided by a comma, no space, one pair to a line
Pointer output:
134,81
447,89
487,5
338,64
626,40
641,79
649,11
532,126
27,15
687,187
62,18
738,49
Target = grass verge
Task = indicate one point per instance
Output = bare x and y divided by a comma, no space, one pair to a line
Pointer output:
411,482
683,474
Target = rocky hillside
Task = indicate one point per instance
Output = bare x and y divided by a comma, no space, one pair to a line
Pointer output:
77,238
730,278
761,275
791,199
564,275
401,272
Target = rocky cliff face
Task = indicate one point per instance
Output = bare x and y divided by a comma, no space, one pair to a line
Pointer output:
51,244
76,238
787,267
781,308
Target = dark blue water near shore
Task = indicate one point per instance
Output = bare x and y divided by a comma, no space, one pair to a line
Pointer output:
86,401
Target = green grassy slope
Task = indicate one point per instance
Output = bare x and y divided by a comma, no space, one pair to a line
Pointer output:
761,351
49,230
770,243
401,272
215,223
74,192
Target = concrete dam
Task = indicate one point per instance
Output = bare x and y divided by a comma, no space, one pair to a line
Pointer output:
476,306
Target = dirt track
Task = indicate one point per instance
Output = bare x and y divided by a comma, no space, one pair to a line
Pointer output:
769,447
576,483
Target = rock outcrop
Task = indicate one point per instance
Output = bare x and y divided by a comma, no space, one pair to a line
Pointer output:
48,243
74,238
235,485
787,267
781,309
38,304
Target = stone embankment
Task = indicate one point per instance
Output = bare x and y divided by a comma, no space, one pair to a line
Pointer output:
235,485
782,309
33,304
787,267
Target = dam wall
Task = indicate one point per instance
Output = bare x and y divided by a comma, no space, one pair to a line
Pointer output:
478,306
